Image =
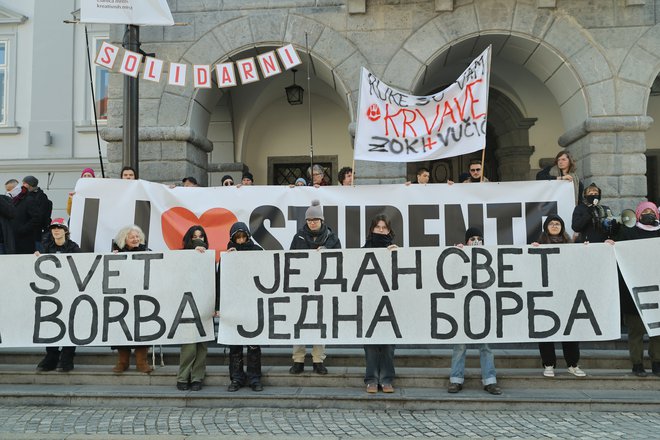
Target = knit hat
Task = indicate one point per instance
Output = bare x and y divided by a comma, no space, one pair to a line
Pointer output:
225,178
248,175
58,223
31,180
473,232
646,205
550,218
301,179
314,211
87,170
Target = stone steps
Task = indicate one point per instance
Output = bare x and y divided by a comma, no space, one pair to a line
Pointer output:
421,381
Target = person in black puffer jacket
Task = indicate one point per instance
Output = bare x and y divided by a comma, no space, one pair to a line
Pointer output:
314,235
241,240
58,242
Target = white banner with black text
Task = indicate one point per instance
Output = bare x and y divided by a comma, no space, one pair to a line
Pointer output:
436,295
133,298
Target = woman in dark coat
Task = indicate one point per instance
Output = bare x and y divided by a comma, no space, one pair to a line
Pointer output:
554,232
380,358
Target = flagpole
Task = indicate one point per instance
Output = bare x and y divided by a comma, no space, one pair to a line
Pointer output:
96,119
483,152
309,102
131,104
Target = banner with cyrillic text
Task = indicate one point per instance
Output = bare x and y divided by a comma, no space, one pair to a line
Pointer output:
138,12
420,295
394,126
107,300
422,215
638,262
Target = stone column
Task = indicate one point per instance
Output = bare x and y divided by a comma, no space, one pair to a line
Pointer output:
513,162
610,152
167,154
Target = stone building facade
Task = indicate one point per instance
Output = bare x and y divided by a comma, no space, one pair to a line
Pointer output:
565,74
574,74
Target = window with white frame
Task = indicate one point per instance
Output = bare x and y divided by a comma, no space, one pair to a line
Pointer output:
4,45
100,81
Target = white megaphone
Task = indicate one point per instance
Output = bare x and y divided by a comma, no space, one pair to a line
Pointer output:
628,218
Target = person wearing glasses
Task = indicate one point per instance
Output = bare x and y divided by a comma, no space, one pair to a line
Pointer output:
476,170
315,234
554,232
473,237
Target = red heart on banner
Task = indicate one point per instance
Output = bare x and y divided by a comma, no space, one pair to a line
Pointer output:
216,222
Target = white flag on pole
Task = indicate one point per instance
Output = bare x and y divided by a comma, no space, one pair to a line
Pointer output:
394,126
138,12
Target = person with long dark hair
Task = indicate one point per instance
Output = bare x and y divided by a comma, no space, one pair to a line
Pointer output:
192,357
379,357
554,232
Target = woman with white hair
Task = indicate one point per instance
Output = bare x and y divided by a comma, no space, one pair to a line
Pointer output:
131,239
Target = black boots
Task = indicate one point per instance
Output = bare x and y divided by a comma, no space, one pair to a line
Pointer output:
54,359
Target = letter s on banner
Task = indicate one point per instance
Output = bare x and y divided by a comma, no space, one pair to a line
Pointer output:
106,55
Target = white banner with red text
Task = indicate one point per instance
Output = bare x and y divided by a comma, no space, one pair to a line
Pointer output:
394,126
436,295
132,298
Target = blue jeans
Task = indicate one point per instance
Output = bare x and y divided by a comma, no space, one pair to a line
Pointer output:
487,362
380,364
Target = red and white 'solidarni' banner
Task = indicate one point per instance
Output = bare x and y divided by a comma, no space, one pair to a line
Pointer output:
394,126
138,12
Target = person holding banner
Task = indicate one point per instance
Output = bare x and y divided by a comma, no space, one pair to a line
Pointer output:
473,237
563,169
58,242
554,232
128,173
240,240
192,358
315,234
131,239
647,226
379,358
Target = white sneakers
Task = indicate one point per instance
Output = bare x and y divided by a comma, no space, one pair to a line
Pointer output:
549,371
575,371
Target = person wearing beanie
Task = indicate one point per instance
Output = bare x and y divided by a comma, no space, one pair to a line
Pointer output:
227,180
300,181
588,218
554,232
58,242
247,178
240,239
647,226
473,237
87,173
315,234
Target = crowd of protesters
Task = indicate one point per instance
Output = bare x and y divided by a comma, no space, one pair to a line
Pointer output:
26,227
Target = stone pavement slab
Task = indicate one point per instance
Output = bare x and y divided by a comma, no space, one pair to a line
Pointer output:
77,423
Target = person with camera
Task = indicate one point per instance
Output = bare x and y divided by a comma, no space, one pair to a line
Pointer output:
647,226
593,221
